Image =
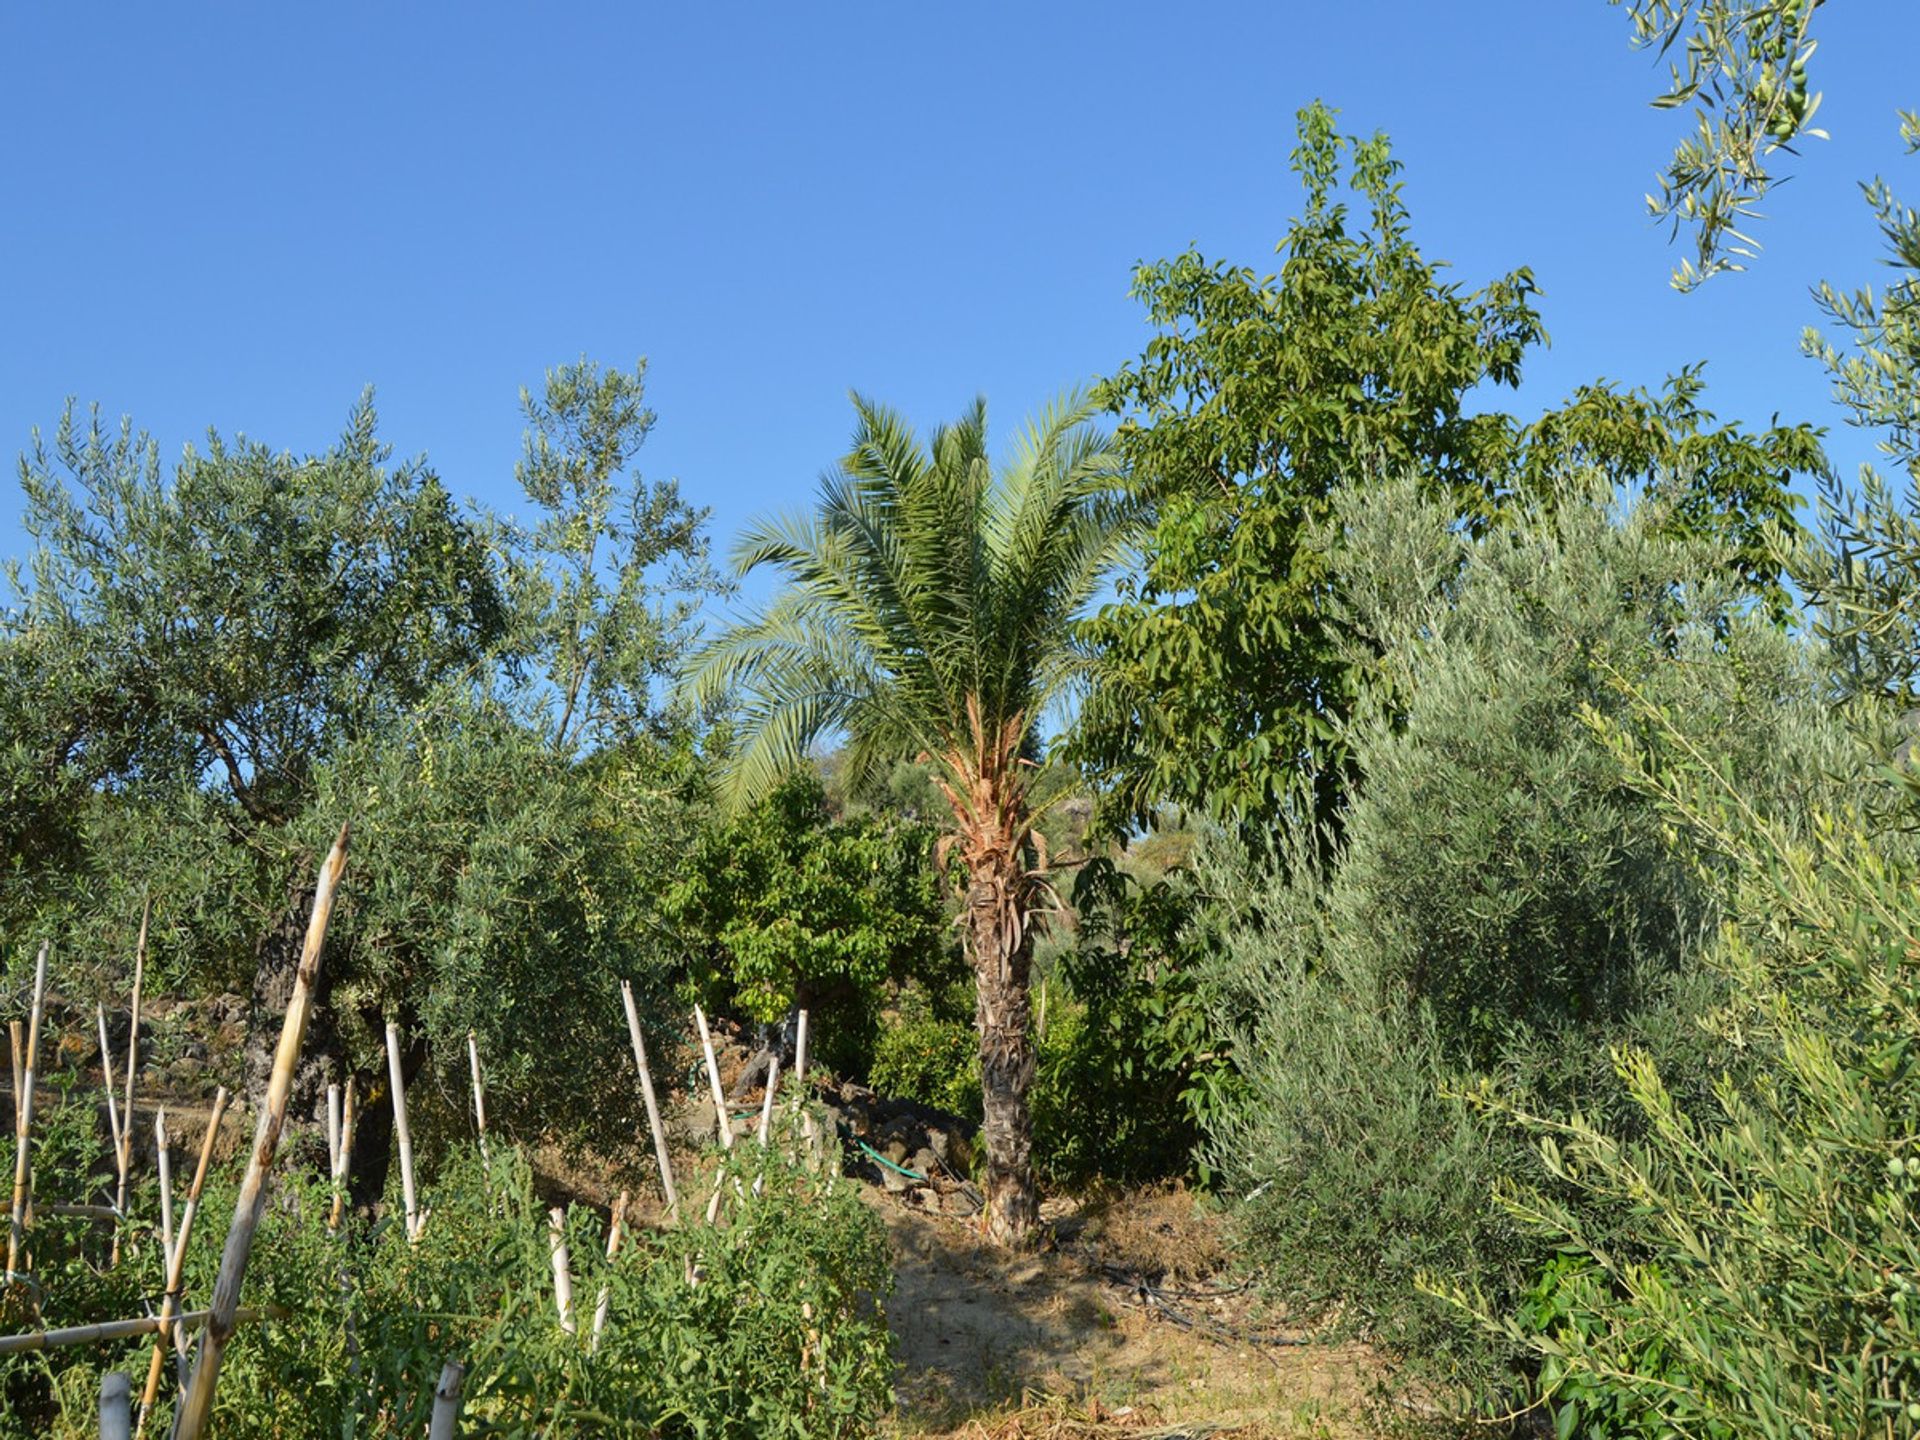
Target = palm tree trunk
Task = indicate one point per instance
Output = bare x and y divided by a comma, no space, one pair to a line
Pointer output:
1001,950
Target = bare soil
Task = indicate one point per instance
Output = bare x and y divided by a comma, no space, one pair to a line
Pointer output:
1107,1329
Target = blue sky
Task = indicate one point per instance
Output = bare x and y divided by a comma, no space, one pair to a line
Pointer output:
240,216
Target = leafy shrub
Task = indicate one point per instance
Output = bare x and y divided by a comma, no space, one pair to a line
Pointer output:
1499,907
929,1053
766,1324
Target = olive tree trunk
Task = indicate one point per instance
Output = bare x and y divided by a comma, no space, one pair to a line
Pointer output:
1001,950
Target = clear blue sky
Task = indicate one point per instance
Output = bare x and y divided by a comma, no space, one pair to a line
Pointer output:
240,216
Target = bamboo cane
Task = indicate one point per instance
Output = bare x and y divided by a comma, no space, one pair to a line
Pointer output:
401,1131
333,1134
347,1118
106,1080
35,1340
445,1423
713,1076
479,1098
23,1122
613,1249
133,1057
562,1270
660,1155
766,1105
176,1267
84,1212
115,1422
18,1049
165,1161
800,1081
197,1404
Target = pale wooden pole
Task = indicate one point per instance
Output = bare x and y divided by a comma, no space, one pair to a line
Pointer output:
562,1267
177,1263
197,1404
115,1422
800,1082
333,1134
106,1080
166,1188
133,1058
347,1118
713,1077
766,1104
400,1130
445,1422
17,1038
35,1340
613,1249
23,1124
660,1155
479,1098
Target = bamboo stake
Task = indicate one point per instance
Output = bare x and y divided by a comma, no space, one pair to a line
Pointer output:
133,1058
800,1081
713,1076
23,1122
176,1267
562,1272
445,1423
18,1045
85,1212
35,1340
613,1248
347,1118
115,1423
766,1105
401,1131
106,1079
197,1404
333,1133
479,1098
653,1106
166,1189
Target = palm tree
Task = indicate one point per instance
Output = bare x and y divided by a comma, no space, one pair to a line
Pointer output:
928,612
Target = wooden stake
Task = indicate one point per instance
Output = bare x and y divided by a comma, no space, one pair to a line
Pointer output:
766,1105
347,1118
115,1422
18,1048
400,1129
800,1081
104,1330
613,1248
713,1075
333,1134
445,1423
133,1059
197,1404
660,1155
562,1271
166,1189
176,1267
23,1123
479,1098
106,1079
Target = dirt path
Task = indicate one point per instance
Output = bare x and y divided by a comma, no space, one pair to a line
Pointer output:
976,1331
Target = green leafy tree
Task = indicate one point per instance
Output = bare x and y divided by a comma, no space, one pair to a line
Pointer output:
1222,672
927,613
790,908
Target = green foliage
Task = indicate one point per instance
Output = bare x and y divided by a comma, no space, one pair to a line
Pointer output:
929,1053
1223,672
768,1324
1743,69
1503,904
1129,1068
1770,1274
785,906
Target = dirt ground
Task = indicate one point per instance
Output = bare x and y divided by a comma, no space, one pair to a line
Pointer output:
1065,1342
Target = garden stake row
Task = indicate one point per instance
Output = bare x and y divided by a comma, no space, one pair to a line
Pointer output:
197,1405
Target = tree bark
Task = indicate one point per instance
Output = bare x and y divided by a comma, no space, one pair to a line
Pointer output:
1001,949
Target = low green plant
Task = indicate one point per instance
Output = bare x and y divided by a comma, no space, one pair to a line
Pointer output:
927,1051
